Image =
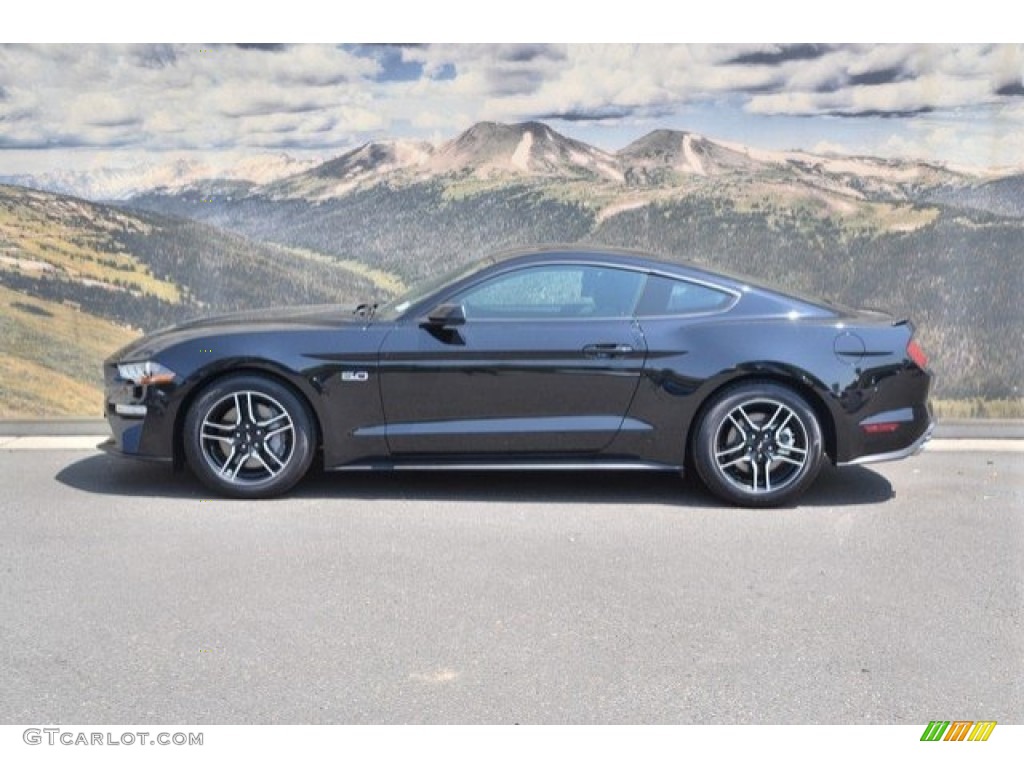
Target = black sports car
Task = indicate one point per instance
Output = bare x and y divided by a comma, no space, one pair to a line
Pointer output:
554,358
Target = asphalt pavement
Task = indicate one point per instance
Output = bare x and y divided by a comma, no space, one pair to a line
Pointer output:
890,594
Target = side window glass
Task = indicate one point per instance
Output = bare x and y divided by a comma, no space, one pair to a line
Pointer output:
666,296
563,290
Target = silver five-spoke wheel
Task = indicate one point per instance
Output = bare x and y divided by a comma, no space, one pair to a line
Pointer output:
758,444
761,446
248,436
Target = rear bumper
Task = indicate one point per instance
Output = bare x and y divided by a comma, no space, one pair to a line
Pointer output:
886,417
911,450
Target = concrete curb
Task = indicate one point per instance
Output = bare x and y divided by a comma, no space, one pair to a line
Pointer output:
1004,429
964,445
62,427
51,442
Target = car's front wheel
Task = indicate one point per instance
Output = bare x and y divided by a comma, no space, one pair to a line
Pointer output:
759,444
248,436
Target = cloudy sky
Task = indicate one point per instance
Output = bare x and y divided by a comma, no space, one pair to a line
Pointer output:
76,106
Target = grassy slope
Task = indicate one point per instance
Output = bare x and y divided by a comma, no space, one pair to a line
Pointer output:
77,239
50,358
59,254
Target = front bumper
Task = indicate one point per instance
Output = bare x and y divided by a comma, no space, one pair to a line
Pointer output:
115,448
141,418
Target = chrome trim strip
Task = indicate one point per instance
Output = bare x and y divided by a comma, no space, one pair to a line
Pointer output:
911,450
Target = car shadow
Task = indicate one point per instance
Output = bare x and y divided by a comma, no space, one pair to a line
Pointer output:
110,475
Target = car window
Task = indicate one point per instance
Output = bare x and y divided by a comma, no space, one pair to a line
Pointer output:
665,296
560,290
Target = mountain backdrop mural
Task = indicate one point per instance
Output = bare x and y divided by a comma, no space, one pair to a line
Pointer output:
91,257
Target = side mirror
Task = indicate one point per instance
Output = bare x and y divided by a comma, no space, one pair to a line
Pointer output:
446,316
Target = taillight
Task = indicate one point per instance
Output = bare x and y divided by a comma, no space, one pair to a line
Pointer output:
917,354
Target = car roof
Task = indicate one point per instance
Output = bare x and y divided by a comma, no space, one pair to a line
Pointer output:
643,260
585,252
627,257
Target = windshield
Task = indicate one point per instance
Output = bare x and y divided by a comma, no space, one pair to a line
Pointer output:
398,306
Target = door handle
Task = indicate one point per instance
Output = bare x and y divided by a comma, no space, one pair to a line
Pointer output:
607,350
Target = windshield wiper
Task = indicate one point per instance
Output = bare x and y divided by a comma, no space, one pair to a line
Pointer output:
366,310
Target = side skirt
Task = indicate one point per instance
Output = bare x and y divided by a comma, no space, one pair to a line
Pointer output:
493,466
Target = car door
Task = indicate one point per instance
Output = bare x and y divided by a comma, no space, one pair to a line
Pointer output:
541,359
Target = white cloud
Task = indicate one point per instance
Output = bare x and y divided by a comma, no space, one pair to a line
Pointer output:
187,97
983,144
893,80
176,97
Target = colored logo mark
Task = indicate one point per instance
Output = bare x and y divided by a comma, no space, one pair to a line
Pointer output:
958,730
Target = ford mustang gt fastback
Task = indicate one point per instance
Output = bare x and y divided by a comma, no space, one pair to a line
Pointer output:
567,358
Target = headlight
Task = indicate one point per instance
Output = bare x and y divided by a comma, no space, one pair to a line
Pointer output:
145,373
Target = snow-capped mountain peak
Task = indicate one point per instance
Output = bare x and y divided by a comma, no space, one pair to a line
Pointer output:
174,174
684,152
489,150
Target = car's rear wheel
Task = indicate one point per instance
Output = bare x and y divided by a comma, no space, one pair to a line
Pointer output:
759,444
248,436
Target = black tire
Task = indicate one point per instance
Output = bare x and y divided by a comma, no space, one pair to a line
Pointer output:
759,444
248,436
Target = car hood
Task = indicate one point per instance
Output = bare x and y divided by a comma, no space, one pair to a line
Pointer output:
317,317
314,316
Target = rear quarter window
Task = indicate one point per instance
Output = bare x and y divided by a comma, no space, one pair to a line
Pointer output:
668,296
